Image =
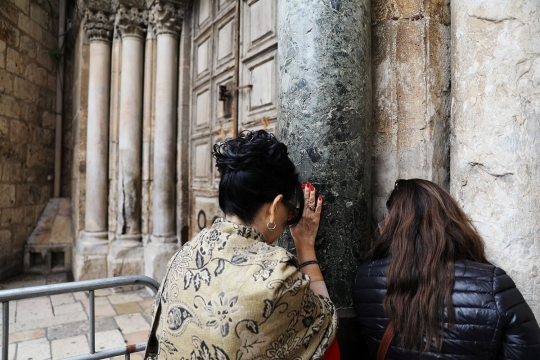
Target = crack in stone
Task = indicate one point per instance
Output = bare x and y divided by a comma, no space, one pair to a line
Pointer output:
495,20
485,169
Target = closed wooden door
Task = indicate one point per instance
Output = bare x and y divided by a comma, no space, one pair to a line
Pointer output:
247,69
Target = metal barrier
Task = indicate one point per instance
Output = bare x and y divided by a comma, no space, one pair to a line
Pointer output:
88,285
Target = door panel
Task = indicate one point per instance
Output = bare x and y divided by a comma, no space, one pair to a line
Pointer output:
259,26
213,65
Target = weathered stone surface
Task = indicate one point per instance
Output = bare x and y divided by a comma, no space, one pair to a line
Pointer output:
26,148
156,258
495,153
126,257
27,25
87,267
9,11
324,117
9,33
24,5
2,54
411,84
39,15
6,82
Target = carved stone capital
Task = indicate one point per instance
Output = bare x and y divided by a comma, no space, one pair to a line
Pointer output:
131,22
166,19
98,25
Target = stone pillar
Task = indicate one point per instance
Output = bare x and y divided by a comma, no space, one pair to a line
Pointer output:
324,89
92,245
164,243
495,148
411,92
126,253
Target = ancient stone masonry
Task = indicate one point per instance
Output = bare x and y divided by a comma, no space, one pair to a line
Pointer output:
133,177
495,152
166,21
92,245
411,94
27,122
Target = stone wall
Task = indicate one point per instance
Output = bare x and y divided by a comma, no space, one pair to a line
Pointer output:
76,104
27,121
411,92
495,148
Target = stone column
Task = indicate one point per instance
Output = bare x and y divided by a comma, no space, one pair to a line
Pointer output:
411,92
126,253
495,148
164,243
324,89
92,245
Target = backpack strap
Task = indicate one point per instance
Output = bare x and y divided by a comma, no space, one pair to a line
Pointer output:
386,341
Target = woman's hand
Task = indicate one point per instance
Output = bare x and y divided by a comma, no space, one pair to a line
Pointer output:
305,231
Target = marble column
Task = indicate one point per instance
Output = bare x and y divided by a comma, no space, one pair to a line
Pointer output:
324,90
126,252
495,148
165,20
92,245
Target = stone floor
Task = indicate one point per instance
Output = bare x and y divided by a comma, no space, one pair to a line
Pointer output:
56,327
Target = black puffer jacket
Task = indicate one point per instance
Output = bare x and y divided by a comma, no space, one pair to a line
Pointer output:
493,321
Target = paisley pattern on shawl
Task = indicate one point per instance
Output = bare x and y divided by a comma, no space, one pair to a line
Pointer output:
227,295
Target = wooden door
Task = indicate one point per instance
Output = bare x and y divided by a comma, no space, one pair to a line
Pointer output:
216,61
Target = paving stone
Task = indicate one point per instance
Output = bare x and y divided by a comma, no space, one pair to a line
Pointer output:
127,308
102,292
130,323
71,346
62,299
68,308
80,328
26,335
61,331
105,324
33,309
39,349
81,296
102,307
109,340
137,337
47,322
125,298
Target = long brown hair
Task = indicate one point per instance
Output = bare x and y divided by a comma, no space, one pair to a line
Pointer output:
424,233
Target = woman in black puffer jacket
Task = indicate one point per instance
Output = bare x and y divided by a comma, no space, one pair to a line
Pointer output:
430,278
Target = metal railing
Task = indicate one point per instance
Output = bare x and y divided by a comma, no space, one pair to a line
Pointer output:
88,285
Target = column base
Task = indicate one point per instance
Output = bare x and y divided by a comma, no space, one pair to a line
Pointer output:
164,239
90,256
156,258
126,257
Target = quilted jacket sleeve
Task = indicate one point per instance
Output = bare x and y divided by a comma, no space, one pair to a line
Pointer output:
521,334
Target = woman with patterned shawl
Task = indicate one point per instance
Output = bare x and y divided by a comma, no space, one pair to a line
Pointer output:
230,293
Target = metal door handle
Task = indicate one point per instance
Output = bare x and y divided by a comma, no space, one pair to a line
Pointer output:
223,93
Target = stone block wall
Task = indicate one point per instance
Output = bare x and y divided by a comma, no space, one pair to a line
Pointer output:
76,114
27,121
411,93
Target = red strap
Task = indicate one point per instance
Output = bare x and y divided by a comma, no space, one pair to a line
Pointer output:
333,351
386,341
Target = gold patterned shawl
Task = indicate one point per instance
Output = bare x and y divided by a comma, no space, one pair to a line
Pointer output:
227,295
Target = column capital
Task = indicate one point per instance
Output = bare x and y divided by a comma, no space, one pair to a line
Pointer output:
166,19
98,25
131,22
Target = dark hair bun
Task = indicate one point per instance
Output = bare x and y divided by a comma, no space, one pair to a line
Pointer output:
254,168
248,150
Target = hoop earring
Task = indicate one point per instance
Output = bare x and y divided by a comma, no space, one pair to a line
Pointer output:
271,228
